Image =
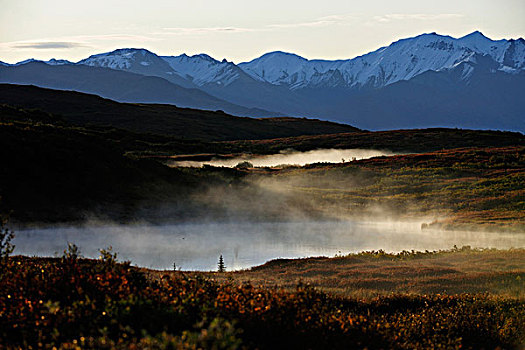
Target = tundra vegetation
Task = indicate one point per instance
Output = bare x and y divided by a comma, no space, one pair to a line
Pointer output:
113,305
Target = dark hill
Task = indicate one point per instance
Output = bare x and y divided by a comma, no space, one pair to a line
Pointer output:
409,141
54,172
82,109
119,86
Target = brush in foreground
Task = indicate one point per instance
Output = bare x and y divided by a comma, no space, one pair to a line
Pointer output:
72,302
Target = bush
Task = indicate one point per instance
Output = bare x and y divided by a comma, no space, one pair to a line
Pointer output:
49,302
244,165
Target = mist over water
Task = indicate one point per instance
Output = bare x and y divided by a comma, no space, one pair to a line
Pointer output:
291,158
263,217
246,244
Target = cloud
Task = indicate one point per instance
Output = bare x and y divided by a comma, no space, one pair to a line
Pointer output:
318,22
203,30
47,45
415,16
73,42
121,37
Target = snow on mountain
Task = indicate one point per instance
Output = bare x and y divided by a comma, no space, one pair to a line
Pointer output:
140,61
402,60
29,60
282,68
121,59
52,62
55,62
203,69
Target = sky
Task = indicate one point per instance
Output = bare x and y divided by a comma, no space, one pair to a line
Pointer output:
241,30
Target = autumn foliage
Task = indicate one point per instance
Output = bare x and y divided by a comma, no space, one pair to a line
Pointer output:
71,302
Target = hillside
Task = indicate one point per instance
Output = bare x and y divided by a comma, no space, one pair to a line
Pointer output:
81,109
473,189
55,171
406,141
119,85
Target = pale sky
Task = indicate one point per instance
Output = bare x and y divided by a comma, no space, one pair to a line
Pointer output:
240,30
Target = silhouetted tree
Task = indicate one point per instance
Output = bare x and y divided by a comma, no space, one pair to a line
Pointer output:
220,265
6,247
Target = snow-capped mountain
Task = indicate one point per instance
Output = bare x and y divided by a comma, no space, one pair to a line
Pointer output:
227,81
29,60
122,59
52,62
55,62
140,61
402,60
203,69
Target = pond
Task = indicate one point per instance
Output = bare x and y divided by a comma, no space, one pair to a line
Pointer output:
197,246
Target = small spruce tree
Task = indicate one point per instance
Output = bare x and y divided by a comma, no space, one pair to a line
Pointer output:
220,265
6,247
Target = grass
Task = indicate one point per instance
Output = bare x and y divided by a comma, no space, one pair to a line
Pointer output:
372,274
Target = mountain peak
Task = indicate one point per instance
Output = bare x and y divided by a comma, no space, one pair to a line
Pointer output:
205,57
127,51
476,35
29,60
140,61
282,54
277,58
58,62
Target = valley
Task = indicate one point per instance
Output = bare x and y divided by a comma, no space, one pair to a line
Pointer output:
97,164
177,201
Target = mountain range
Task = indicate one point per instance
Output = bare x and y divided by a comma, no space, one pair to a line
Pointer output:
424,81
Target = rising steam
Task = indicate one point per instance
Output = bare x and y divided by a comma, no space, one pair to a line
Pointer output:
291,158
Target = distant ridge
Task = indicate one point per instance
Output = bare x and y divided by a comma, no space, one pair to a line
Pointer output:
79,108
119,85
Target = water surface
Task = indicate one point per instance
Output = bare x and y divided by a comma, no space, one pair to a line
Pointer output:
198,246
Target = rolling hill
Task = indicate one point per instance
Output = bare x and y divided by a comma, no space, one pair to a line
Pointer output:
80,109
119,85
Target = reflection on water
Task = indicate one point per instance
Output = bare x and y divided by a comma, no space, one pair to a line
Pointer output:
198,246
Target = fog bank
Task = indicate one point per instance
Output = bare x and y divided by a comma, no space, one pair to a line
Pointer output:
291,158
